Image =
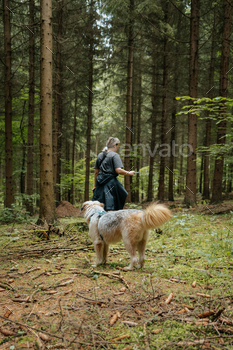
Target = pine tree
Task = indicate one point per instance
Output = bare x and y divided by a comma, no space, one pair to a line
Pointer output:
47,204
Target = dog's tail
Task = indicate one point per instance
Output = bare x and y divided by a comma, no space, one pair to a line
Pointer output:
155,215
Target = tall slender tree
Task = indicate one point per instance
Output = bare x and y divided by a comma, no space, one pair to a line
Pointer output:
47,203
31,108
190,194
206,165
223,86
72,192
57,122
129,101
90,100
161,189
154,94
9,199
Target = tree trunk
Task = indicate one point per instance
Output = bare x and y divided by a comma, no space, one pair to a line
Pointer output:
190,194
9,199
72,197
171,160
201,173
90,101
23,168
181,172
31,108
161,189
129,105
206,177
137,134
154,94
221,134
174,111
47,205
57,123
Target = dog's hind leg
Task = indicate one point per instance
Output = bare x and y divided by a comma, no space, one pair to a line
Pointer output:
142,248
131,249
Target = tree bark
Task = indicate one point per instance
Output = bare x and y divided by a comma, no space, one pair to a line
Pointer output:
137,133
47,205
90,101
206,171
129,104
9,199
153,127
23,168
221,134
57,123
190,194
72,197
161,189
31,109
171,160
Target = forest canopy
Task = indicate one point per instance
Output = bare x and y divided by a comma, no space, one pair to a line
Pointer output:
155,74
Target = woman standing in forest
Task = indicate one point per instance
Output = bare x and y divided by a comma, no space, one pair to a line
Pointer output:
107,189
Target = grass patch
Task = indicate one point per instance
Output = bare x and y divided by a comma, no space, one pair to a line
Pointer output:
73,302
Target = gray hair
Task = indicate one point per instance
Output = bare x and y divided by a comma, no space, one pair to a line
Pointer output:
112,141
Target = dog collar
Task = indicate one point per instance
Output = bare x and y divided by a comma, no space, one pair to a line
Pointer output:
101,213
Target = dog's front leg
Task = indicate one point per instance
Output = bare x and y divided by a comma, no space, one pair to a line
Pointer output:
99,249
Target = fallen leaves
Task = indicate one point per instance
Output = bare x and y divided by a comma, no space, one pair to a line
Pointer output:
169,299
114,318
7,332
194,284
125,336
204,295
206,314
130,323
156,331
22,300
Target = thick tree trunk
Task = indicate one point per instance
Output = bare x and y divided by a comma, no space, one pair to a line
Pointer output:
161,189
31,108
90,101
57,122
190,194
129,105
9,199
154,103
47,205
221,135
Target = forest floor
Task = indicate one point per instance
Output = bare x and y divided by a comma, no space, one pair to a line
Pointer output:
51,296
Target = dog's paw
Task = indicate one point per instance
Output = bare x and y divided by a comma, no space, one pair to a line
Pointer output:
127,268
139,266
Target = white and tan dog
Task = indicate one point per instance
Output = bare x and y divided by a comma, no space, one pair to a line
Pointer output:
130,225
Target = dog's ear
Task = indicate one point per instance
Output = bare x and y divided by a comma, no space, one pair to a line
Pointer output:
84,206
101,204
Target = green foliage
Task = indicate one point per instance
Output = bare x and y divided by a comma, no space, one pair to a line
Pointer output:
218,108
14,214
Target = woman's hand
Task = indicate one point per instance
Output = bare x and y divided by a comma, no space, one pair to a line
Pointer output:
124,172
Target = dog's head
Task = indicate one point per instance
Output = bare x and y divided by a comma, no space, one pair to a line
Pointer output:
90,206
